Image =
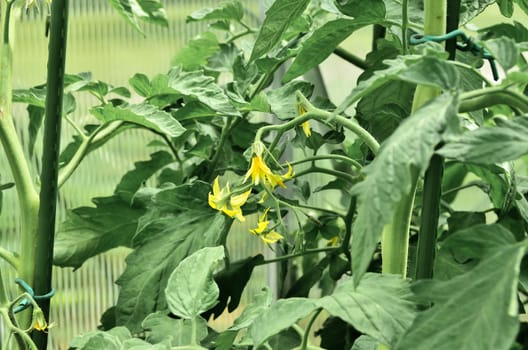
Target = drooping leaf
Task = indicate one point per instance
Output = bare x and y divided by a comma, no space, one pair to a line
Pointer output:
151,11
178,223
468,309
504,142
301,287
389,177
281,315
134,179
428,70
322,43
279,16
159,326
504,50
229,10
362,9
141,84
197,51
380,306
142,114
89,231
191,288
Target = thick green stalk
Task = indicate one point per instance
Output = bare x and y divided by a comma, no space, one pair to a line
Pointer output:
26,193
50,159
395,236
432,191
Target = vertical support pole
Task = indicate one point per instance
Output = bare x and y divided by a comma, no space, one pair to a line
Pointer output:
50,159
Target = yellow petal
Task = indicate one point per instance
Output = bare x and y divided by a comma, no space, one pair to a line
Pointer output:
240,200
211,200
261,226
271,237
216,186
306,128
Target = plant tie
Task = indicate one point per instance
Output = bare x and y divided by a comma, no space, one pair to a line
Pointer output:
466,44
25,303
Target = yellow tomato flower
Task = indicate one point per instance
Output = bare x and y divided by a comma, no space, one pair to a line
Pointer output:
39,321
306,128
259,171
222,200
268,237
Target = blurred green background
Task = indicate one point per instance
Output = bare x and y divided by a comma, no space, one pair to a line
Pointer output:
101,42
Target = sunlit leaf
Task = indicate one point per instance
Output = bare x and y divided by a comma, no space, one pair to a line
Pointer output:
191,288
282,100
142,114
151,11
229,10
160,326
389,177
279,16
197,51
504,51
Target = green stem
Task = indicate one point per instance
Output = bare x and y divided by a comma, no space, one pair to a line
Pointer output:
405,26
351,58
306,335
99,135
338,157
479,184
324,117
10,258
487,97
336,173
226,131
395,236
50,160
26,193
4,301
296,255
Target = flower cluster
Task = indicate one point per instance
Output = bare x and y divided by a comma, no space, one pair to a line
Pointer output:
230,203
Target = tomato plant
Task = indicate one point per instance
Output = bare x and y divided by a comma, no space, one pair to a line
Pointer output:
385,254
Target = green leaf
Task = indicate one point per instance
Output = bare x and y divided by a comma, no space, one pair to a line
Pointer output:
459,220
199,87
159,326
232,282
178,223
523,4
191,288
470,9
506,7
282,100
404,154
365,342
516,31
428,70
322,43
36,116
229,10
141,84
281,315
301,287
146,10
111,340
374,9
496,177
142,114
380,306
132,181
279,16
504,50
488,145
382,110
89,231
197,51
468,309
